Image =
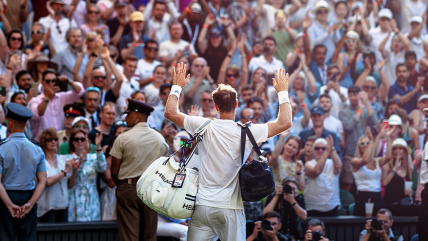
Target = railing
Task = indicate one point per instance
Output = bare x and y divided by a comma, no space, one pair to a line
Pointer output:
342,228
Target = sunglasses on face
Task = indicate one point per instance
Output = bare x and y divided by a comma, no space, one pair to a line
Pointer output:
36,32
247,117
152,49
317,148
15,39
207,100
52,139
232,75
99,77
77,139
48,81
350,41
363,143
369,87
81,126
322,12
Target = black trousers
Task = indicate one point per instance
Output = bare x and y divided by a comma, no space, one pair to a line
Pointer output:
423,215
54,216
25,229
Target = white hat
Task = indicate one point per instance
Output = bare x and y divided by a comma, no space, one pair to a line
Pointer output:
352,34
371,78
385,13
79,118
423,97
321,4
357,4
416,19
395,120
401,142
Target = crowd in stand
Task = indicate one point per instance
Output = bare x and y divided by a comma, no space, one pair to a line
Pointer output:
358,89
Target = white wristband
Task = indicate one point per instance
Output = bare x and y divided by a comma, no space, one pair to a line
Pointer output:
176,90
283,97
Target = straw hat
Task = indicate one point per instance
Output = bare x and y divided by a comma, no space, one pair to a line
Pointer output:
31,65
402,143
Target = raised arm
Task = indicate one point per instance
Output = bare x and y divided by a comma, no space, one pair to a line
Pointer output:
202,39
224,64
4,48
244,62
283,121
385,159
273,162
338,49
76,68
382,45
119,79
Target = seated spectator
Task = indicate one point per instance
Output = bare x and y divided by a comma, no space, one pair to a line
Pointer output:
47,106
394,175
70,112
315,227
176,46
322,182
107,118
384,217
93,24
84,201
132,43
274,218
367,170
147,65
291,206
152,90
61,172
285,161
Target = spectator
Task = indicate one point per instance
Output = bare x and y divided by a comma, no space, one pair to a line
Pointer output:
394,176
132,43
408,133
285,160
190,20
414,75
206,103
291,206
152,89
355,119
93,24
315,226
61,173
384,216
38,65
418,118
80,123
119,25
176,46
317,63
410,9
84,202
92,102
23,84
58,25
147,65
37,41
266,60
243,20
108,196
107,118
12,48
261,113
416,36
47,106
130,83
67,58
70,112
246,115
274,218
306,153
160,14
346,59
283,34
367,171
158,114
300,123
169,131
403,91
375,96
232,73
322,183
292,59
378,34
423,217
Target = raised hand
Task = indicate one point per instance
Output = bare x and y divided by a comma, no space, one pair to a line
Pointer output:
369,134
241,44
306,23
105,53
299,166
280,82
210,19
179,75
329,146
194,110
98,139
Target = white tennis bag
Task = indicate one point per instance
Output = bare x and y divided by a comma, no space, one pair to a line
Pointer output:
168,188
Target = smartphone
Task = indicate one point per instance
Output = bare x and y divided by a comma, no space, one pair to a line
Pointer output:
2,90
269,79
62,85
34,89
385,124
266,225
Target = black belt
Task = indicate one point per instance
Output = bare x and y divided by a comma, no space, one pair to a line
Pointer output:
130,180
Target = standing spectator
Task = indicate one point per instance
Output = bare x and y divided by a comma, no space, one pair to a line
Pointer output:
297,10
176,46
23,84
190,18
93,24
70,112
414,75
107,118
92,102
230,73
19,157
284,36
158,114
130,83
269,16
159,19
132,43
119,25
11,47
147,65
152,89
47,107
266,60
355,119
409,10
416,37
61,173
369,86
345,59
322,183
242,15
206,103
58,25
386,233
38,65
317,64
379,33
16,12
80,123
37,43
84,201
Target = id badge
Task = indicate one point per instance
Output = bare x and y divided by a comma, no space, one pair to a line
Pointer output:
178,180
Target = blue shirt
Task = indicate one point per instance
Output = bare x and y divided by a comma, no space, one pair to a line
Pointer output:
66,60
126,42
20,161
399,90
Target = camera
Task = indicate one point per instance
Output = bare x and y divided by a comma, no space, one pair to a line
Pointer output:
316,235
266,49
287,189
266,225
377,224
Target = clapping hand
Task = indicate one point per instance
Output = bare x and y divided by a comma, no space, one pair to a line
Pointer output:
179,75
329,146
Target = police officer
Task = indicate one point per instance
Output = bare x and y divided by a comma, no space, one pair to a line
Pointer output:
20,162
132,152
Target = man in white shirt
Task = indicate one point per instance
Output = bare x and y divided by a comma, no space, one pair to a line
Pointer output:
57,25
378,34
410,9
129,84
159,19
147,65
174,47
416,37
219,208
266,14
267,61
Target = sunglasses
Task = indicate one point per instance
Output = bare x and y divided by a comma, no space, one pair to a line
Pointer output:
350,41
112,56
317,148
58,29
52,139
188,145
48,81
232,75
363,143
120,123
15,39
36,32
77,139
322,12
207,100
92,12
247,117
332,73
152,49
369,87
96,89
99,77
81,126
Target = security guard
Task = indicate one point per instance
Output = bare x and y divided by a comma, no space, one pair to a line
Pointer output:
132,152
20,162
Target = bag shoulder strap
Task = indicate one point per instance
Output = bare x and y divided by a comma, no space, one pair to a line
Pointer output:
245,130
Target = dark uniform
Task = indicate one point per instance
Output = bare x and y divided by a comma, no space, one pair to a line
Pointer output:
20,161
137,149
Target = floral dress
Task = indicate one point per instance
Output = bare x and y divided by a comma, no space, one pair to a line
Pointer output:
283,170
84,201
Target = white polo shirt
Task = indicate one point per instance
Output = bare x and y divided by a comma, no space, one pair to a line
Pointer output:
58,31
260,61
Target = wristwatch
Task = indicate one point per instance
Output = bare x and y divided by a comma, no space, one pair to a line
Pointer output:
94,55
45,99
65,174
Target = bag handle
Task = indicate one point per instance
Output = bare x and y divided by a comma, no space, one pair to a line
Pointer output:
244,132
